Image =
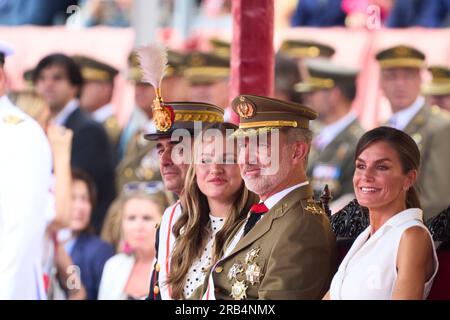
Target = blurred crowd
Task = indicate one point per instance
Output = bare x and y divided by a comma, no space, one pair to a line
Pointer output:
321,13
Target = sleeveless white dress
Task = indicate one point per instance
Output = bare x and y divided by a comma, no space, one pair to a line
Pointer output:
368,271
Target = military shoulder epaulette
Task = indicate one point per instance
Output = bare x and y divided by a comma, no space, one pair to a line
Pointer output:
310,207
435,109
112,123
10,119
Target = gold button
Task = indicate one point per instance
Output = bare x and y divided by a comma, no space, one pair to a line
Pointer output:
155,289
219,269
128,172
157,267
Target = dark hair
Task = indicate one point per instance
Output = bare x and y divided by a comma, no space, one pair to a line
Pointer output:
81,175
348,90
68,64
406,148
287,75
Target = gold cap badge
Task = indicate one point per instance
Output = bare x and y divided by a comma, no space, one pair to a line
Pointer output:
245,109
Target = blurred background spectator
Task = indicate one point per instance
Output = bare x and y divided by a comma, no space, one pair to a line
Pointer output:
126,275
87,251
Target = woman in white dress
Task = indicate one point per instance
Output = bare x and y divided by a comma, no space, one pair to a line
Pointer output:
394,258
215,201
127,275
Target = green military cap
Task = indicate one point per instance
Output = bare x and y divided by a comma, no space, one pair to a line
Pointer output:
175,65
258,114
306,49
205,68
95,70
28,78
440,83
183,115
221,48
325,74
400,56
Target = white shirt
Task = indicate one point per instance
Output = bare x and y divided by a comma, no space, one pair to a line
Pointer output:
64,114
115,276
369,270
196,274
400,119
101,114
275,198
25,171
330,132
164,252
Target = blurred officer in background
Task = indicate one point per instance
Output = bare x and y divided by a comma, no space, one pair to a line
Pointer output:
401,81
97,93
437,90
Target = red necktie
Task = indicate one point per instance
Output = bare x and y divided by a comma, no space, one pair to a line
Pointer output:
256,212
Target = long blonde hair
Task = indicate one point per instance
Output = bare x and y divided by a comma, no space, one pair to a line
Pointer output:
192,228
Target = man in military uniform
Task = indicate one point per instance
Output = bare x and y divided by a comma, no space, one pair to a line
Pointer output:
286,248
97,93
295,52
331,162
140,158
208,78
25,171
430,127
173,174
437,90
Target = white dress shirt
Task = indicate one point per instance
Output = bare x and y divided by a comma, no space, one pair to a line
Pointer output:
330,132
64,114
101,114
400,119
164,253
25,171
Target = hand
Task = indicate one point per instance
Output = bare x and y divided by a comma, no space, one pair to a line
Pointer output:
60,139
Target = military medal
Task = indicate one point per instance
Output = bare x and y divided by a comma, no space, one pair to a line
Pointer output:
252,255
253,273
245,109
239,290
236,269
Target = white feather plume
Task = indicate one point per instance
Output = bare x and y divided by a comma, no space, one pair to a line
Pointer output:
153,61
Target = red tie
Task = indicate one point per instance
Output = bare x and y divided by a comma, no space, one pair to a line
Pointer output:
256,212
259,208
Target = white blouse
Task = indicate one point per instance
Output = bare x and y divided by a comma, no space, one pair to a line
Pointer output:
368,271
115,275
199,267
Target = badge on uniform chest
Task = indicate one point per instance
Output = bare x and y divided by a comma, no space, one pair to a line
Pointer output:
240,273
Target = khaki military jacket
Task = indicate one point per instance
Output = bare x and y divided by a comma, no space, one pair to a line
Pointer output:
289,254
334,165
430,129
